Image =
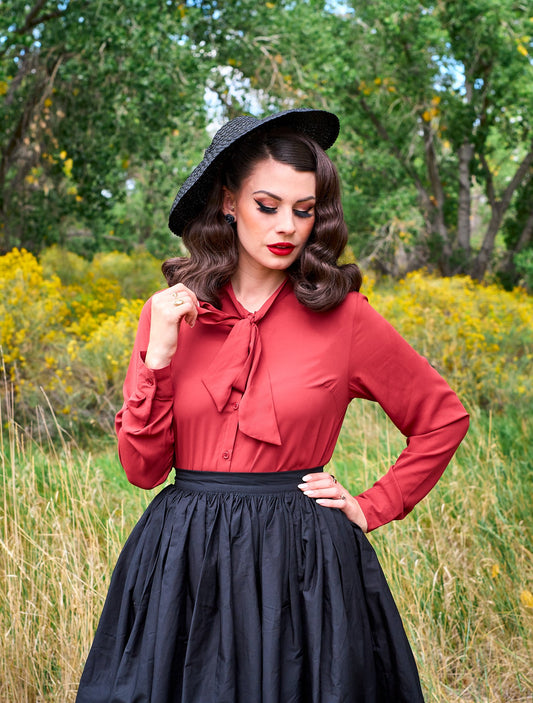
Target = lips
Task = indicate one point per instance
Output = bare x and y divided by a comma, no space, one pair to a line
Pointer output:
281,248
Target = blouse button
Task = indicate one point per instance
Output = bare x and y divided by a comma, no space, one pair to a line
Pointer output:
150,381
235,406
225,455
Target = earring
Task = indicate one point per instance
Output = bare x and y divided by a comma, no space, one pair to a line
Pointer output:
229,219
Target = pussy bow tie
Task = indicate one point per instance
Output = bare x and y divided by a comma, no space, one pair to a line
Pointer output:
238,365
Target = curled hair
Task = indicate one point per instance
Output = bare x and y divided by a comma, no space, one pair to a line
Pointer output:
319,282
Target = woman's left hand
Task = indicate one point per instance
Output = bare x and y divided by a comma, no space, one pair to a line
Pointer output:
327,491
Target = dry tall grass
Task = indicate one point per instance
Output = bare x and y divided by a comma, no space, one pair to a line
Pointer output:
459,566
62,529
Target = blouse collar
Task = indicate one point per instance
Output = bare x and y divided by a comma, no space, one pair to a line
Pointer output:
238,364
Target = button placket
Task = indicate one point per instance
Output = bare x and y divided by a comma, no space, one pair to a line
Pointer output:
228,432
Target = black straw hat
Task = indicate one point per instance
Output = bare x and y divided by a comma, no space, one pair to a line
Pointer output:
320,125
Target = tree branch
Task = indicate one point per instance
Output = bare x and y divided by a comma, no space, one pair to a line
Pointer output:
517,178
33,19
499,208
383,133
41,91
525,235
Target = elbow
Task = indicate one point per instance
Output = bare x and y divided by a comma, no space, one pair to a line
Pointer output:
457,427
463,423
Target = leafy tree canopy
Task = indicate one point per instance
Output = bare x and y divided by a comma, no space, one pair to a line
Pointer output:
105,106
92,92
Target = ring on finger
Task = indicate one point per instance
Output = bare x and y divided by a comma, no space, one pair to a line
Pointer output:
343,497
333,478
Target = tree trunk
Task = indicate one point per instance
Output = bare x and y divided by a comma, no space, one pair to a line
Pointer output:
498,207
466,153
438,223
43,86
482,260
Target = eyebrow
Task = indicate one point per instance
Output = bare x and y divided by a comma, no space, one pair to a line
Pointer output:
277,197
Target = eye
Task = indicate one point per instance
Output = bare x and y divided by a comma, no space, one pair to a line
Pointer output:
304,213
264,208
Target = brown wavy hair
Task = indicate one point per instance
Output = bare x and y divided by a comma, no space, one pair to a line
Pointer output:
319,282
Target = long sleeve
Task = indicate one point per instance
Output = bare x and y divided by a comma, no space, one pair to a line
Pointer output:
417,400
144,425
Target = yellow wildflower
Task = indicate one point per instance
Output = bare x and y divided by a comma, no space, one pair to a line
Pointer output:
526,598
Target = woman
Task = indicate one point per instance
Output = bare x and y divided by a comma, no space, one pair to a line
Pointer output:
250,578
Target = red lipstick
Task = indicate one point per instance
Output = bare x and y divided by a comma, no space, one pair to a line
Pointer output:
281,248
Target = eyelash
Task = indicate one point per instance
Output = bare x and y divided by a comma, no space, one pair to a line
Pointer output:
271,210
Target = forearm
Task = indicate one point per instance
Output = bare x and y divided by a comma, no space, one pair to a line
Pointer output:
144,425
414,474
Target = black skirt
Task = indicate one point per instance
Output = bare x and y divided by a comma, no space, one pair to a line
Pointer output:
237,588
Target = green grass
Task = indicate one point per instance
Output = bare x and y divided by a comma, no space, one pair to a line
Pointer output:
458,565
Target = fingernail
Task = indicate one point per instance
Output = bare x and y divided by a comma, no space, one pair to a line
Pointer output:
307,478
302,485
320,501
309,493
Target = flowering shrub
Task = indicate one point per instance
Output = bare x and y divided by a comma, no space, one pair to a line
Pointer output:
137,275
33,320
100,362
68,337
479,337
67,327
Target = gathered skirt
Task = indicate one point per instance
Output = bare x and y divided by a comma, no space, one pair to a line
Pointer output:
237,588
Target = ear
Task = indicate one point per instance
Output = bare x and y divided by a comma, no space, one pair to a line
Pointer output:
228,202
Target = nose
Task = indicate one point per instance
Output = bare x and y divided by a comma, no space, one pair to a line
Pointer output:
286,221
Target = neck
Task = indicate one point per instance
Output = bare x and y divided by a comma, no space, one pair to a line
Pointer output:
253,291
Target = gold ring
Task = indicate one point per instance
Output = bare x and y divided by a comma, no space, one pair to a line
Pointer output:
334,479
179,301
343,497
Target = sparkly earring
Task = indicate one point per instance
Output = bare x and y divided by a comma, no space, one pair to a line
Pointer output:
229,219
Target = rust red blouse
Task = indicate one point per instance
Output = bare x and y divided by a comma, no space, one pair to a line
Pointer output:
268,391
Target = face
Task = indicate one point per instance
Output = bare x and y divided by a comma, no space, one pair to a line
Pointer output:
274,211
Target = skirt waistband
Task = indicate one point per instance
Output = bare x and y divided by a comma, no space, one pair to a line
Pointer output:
241,482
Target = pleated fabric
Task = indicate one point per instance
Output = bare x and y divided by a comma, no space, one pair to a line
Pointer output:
237,588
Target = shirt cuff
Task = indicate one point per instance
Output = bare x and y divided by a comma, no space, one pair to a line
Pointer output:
154,383
383,502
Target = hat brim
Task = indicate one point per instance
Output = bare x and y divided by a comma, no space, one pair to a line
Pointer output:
320,125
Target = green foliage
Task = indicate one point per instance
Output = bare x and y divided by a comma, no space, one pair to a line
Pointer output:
524,265
91,93
104,108
424,81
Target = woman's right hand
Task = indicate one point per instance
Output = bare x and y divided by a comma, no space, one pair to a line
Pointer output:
169,308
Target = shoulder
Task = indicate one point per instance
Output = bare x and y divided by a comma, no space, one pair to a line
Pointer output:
353,306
